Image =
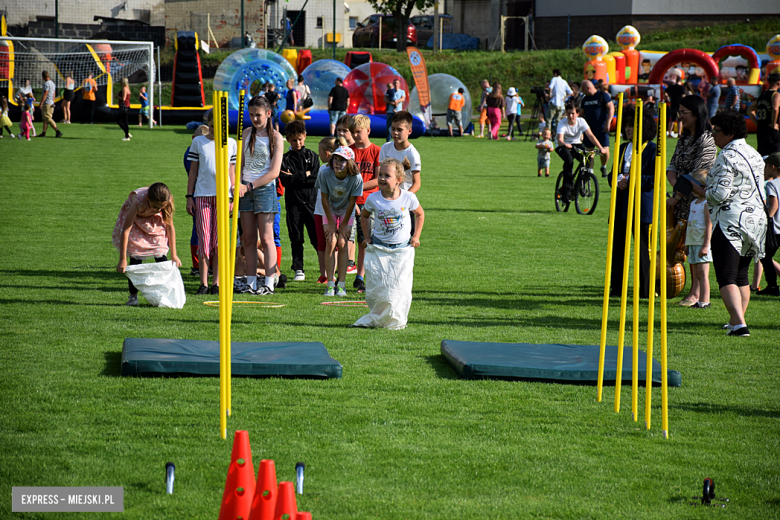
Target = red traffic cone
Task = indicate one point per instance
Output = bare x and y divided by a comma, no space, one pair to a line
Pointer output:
240,482
264,501
303,516
286,509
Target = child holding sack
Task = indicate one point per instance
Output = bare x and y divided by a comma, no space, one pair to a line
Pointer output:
389,260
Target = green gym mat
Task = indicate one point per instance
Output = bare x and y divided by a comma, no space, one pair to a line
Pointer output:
545,362
183,357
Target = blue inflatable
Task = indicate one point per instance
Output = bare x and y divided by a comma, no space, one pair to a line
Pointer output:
320,77
242,68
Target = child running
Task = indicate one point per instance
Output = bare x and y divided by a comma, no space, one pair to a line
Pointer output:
545,146
5,121
327,146
26,123
299,176
389,293
340,185
202,200
145,229
260,165
144,112
367,159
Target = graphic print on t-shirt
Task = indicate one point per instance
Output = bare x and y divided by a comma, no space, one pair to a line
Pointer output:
392,219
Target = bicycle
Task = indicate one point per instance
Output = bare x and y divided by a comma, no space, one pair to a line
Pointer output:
585,185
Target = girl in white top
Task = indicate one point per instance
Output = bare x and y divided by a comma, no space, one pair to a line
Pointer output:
260,165
202,200
513,103
570,132
67,97
697,247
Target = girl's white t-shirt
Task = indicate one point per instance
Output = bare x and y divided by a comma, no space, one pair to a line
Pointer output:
511,104
392,222
202,152
572,134
696,224
318,209
258,163
388,151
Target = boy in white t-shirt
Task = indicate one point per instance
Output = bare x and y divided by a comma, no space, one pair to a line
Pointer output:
570,132
401,149
202,200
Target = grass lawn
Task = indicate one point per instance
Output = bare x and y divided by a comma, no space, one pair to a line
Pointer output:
400,436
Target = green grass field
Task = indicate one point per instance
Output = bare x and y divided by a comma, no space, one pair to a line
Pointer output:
400,436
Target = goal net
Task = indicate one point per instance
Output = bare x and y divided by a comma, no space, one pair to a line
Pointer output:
24,59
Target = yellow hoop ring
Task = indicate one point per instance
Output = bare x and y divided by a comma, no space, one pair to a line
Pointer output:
345,304
267,305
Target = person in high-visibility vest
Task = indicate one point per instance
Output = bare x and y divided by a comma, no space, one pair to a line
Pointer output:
457,100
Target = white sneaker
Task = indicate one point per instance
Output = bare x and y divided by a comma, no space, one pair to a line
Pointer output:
299,276
130,135
330,291
674,135
342,292
125,139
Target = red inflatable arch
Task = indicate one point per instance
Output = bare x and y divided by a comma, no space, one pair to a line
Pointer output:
743,51
700,58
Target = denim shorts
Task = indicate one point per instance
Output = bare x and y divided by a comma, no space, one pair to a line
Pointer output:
260,200
378,242
541,162
335,115
694,258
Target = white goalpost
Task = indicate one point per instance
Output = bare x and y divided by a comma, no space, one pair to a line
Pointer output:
23,58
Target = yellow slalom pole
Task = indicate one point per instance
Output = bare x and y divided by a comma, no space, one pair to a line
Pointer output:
225,296
218,164
626,260
662,226
637,253
610,243
658,207
234,229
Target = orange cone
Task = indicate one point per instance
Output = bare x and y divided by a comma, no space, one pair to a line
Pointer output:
286,509
303,516
264,501
240,482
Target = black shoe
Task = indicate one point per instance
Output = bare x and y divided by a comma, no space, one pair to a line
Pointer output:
604,171
282,283
359,285
41,135
741,332
214,289
58,134
202,290
194,272
264,290
769,291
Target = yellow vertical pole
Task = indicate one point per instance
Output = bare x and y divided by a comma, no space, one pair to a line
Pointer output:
610,242
225,298
218,164
637,254
234,229
662,226
658,207
626,260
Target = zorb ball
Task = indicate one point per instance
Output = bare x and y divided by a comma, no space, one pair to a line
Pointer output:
243,68
367,86
320,77
440,87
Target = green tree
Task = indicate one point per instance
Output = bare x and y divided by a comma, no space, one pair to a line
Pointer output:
401,10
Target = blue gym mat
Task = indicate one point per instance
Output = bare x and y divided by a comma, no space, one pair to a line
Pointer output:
545,362
144,356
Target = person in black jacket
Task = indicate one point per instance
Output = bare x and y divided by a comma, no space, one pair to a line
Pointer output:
625,156
298,175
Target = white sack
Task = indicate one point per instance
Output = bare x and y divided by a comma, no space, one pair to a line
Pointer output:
389,280
160,283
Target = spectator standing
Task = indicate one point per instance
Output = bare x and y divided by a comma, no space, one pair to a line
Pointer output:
291,96
597,110
576,94
21,94
496,109
273,98
765,112
67,97
732,95
47,105
89,88
304,92
455,105
338,101
483,119
124,110
713,97
559,89
514,104
287,28
389,107
675,92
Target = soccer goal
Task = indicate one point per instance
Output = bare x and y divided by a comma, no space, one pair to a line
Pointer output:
23,59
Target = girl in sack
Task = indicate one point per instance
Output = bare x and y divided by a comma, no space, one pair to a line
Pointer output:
145,229
390,260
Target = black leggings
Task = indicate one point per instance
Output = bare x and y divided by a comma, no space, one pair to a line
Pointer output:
769,266
121,120
511,119
137,261
730,268
7,129
568,165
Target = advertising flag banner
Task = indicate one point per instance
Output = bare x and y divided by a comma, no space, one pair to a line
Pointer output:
420,73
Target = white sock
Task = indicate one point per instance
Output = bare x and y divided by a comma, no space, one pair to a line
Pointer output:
342,284
269,282
331,284
251,281
737,327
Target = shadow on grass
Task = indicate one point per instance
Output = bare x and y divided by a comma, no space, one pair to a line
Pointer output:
468,210
113,366
59,302
717,409
74,277
439,365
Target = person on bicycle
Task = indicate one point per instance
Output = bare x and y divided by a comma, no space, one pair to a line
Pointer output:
570,131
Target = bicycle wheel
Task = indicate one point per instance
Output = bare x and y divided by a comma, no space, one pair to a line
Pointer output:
559,204
586,194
